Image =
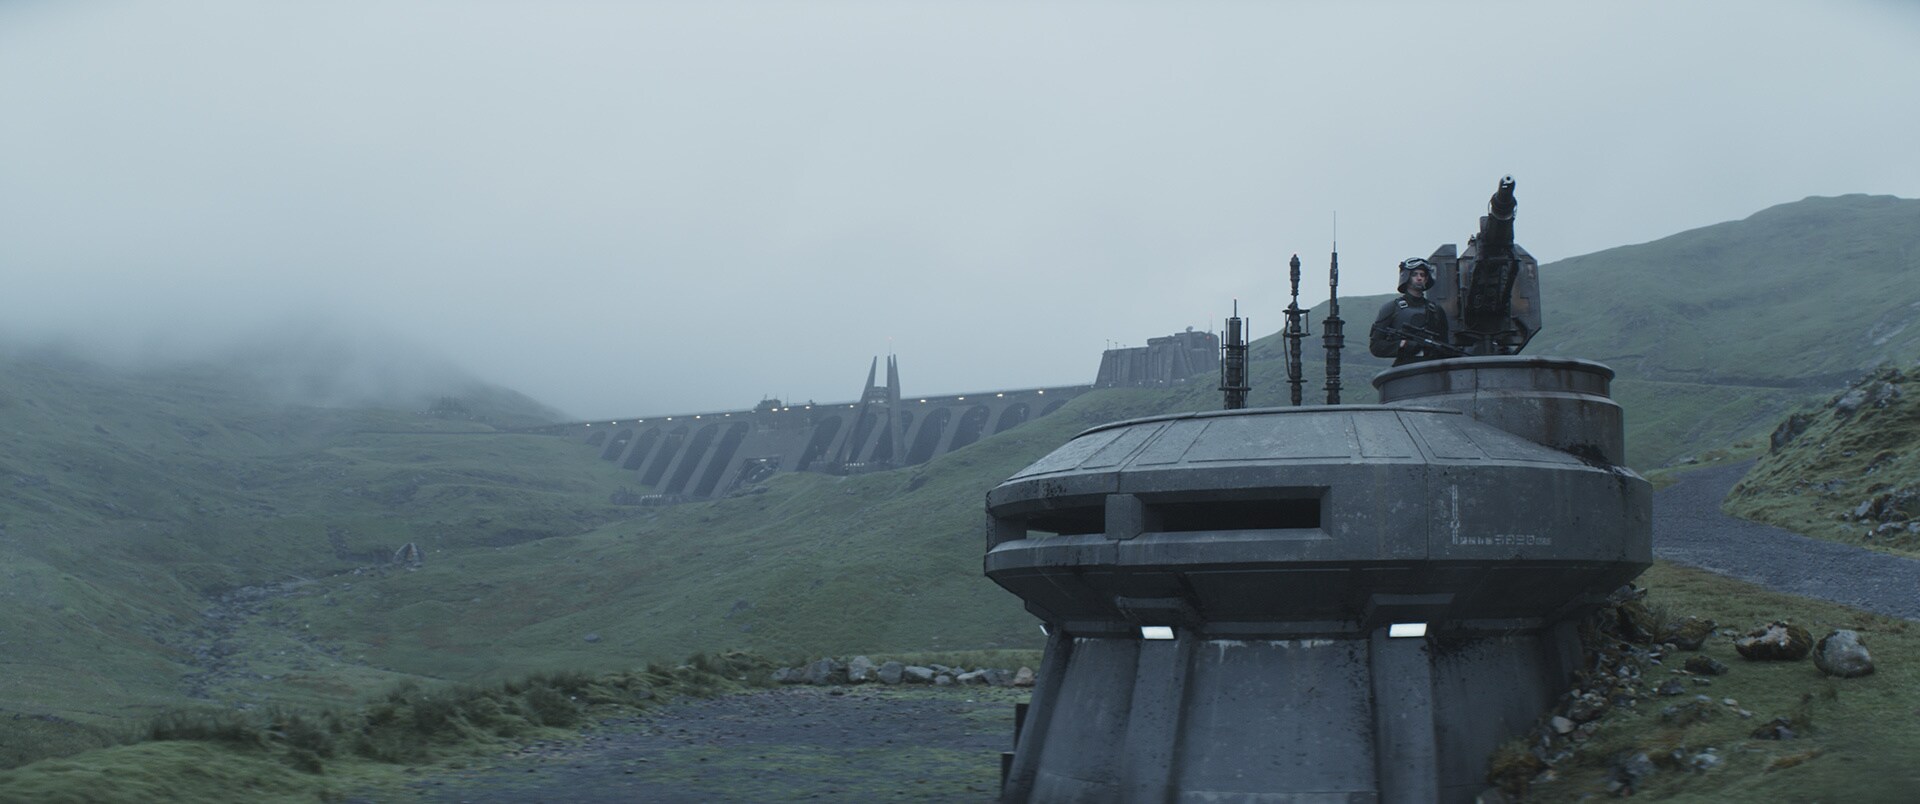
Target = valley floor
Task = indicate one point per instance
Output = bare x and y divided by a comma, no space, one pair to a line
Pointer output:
925,744
795,743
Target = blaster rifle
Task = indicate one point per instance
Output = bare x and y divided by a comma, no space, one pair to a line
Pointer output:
1424,340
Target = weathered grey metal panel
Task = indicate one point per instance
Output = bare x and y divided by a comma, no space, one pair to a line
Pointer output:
1270,527
1266,709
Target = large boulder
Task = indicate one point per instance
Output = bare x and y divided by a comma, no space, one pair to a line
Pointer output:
860,670
826,671
1776,641
1788,431
915,674
1023,677
1842,654
891,672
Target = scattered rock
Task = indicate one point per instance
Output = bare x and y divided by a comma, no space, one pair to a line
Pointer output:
1586,707
1788,431
1630,773
891,672
1842,654
916,674
1776,641
1688,633
1705,666
591,638
1636,623
826,671
1850,402
1672,687
1560,725
1687,714
1779,728
1707,760
1023,677
997,677
974,677
1883,393
943,680
860,670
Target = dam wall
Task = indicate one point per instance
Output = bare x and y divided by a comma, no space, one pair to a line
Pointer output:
702,455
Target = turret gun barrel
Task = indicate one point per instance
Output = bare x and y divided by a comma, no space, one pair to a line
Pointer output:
1496,229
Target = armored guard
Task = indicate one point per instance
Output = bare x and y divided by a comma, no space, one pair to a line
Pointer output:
1412,328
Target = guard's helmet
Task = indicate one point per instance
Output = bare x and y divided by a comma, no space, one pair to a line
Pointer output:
1411,264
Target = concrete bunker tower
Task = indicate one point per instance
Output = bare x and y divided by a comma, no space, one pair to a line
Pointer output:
1349,603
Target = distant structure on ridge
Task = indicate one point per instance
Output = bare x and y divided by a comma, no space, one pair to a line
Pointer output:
1164,361
697,456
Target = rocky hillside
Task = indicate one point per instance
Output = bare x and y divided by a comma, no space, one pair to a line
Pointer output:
1847,469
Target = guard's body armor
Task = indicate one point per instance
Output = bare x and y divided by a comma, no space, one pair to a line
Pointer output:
1414,314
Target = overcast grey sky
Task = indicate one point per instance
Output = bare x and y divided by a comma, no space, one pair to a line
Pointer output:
626,208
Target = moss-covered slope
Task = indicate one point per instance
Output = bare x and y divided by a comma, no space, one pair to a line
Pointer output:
1847,469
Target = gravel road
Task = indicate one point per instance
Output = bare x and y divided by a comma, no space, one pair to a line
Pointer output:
1688,528
786,744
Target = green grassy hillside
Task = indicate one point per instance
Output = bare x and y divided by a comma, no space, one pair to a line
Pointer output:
1851,474
130,504
1718,332
1801,295
189,535
815,564
175,538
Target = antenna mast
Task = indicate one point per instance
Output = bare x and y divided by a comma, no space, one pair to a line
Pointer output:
1233,361
1331,326
1296,331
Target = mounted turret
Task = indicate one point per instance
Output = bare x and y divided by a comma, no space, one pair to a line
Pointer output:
1491,293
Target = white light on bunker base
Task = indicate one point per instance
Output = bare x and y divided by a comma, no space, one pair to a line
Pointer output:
1407,630
1156,632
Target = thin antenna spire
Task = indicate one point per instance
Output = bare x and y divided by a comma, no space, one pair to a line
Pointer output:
1331,328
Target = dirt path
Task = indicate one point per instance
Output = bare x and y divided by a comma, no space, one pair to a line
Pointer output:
788,744
1688,528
